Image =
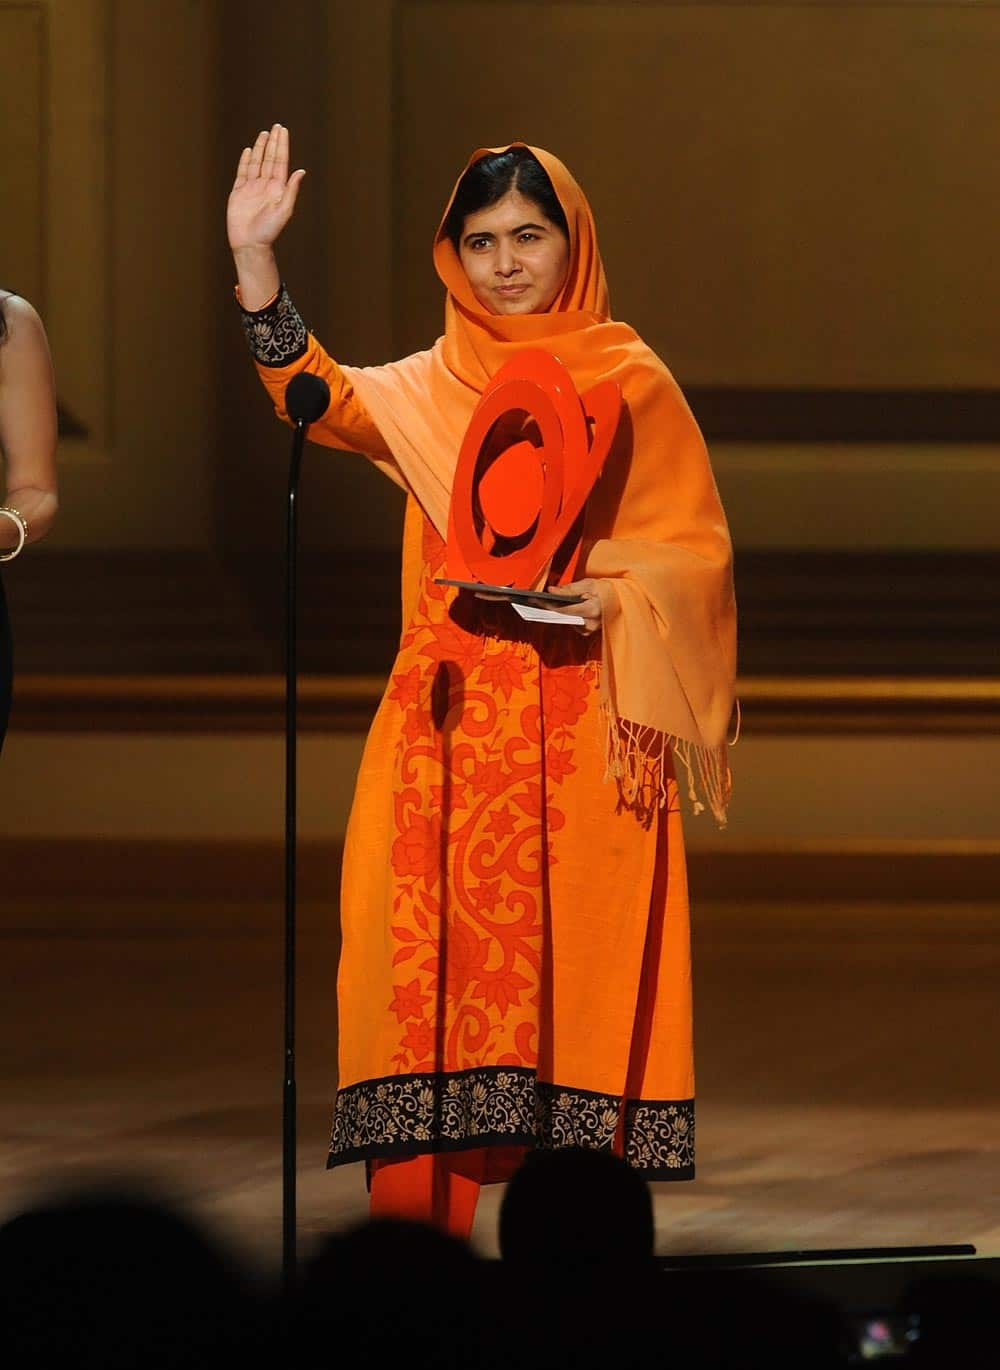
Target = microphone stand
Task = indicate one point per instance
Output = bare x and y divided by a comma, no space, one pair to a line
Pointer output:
288,1209
306,399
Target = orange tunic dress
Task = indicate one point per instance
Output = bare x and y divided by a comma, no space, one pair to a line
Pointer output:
515,966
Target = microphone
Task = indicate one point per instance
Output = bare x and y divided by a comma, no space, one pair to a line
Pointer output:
307,397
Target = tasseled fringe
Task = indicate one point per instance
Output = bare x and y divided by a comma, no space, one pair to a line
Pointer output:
502,630
522,647
636,755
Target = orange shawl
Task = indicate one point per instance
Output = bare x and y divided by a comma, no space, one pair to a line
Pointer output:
656,535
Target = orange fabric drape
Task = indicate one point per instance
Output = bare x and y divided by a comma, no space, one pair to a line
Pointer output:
655,536
427,1188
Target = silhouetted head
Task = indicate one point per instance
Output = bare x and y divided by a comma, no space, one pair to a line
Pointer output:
110,1279
576,1206
392,1292
393,1248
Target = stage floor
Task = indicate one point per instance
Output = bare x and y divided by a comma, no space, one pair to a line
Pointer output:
849,1089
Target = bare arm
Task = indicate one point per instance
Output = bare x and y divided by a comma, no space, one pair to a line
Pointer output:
27,422
261,203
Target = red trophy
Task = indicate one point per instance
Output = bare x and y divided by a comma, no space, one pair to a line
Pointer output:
530,457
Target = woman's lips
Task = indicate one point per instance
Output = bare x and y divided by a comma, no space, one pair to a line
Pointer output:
510,289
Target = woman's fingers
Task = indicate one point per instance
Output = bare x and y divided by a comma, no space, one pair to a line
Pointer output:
280,167
587,588
241,169
257,155
270,161
267,160
292,189
590,612
589,608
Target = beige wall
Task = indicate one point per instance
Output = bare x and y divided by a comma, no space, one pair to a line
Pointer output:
843,791
22,109
787,194
867,496
123,137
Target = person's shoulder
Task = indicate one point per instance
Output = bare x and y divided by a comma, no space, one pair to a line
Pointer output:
23,330
18,310
624,343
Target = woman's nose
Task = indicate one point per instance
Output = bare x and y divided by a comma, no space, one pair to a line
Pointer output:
506,261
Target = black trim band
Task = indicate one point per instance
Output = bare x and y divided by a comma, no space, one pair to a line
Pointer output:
409,1115
275,334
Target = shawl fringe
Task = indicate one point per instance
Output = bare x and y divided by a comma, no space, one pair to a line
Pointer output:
636,757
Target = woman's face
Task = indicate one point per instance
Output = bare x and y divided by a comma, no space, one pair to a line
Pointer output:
515,258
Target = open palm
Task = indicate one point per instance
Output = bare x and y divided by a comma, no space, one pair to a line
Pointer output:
263,195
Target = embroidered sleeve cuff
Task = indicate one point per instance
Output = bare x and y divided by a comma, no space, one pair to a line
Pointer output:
275,334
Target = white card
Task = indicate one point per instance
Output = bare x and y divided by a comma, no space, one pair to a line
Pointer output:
534,615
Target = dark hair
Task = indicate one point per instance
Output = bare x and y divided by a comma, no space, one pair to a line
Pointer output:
3,316
489,180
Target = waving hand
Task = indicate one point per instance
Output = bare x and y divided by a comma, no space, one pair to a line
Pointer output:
263,196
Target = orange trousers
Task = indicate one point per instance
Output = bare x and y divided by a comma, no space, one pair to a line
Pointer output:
425,1189
440,1189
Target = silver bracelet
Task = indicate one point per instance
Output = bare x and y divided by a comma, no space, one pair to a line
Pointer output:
21,523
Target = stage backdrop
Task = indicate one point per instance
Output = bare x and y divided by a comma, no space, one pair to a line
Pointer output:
797,206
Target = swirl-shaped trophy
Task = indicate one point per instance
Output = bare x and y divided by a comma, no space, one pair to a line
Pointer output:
530,458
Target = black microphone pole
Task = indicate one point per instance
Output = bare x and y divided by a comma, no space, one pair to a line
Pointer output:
306,399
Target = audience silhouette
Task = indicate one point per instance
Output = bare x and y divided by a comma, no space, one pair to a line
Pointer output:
392,1293
576,1207
114,1278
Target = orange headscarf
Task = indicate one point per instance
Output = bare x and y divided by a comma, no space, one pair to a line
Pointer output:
656,536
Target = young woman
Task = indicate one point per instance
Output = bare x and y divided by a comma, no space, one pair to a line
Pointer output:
28,443
515,970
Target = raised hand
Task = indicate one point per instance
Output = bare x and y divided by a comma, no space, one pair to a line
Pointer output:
263,195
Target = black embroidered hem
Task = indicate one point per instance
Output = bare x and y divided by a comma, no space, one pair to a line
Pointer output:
409,1115
275,334
659,1138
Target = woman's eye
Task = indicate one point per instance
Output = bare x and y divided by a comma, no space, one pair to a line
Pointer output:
528,237
477,243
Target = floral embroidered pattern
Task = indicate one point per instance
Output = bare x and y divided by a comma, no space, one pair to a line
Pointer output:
659,1136
473,1108
485,739
494,1106
275,334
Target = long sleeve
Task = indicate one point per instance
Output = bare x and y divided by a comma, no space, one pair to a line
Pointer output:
282,347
